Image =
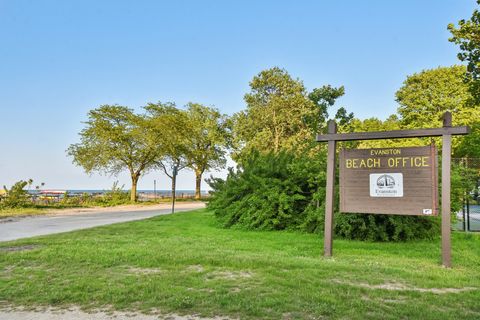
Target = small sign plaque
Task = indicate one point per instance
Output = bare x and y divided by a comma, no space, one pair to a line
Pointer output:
389,181
387,185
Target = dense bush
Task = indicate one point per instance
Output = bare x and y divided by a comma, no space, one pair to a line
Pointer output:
287,191
380,227
16,196
113,197
269,192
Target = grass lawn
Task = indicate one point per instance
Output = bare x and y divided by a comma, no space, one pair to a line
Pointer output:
18,212
185,263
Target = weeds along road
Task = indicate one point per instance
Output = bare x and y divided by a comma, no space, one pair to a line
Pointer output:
18,228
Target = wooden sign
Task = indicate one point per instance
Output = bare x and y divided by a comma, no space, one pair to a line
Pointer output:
389,181
402,174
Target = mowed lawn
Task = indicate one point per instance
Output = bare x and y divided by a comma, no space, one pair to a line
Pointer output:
186,264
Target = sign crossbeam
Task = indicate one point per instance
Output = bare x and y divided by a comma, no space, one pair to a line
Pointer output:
393,134
446,132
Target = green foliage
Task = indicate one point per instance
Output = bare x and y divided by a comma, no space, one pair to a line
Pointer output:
324,98
467,36
113,197
469,145
464,179
425,96
170,126
16,196
115,139
282,115
379,227
270,192
209,137
276,116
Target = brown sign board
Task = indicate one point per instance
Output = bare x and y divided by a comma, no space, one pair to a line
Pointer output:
389,181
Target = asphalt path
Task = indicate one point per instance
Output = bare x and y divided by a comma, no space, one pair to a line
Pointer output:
43,225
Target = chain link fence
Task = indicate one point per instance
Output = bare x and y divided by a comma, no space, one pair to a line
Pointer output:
465,193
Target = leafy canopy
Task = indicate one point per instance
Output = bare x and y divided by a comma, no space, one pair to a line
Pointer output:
277,106
281,114
170,127
425,96
209,134
467,36
115,139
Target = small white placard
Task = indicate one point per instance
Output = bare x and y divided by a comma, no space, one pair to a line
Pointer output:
387,185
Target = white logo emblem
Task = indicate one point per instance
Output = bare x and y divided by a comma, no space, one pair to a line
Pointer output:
388,185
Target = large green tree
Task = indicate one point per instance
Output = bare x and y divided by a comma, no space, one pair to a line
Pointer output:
425,96
170,126
276,114
282,115
115,139
324,98
467,36
208,136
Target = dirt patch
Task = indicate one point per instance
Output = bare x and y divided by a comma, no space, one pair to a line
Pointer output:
144,271
201,290
195,268
397,286
27,247
229,275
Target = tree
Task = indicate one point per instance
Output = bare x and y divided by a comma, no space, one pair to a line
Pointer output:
276,116
208,137
467,37
170,125
425,96
470,144
115,139
325,98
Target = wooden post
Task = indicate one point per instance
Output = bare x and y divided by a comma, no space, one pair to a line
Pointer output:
446,159
330,192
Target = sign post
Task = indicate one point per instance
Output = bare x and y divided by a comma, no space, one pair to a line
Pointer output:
386,180
330,191
446,157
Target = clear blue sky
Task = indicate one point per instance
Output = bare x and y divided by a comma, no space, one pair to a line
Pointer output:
59,59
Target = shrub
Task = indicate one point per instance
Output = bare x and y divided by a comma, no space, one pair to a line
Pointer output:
16,196
116,196
269,192
380,227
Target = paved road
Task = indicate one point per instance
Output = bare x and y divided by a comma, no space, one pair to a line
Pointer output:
43,225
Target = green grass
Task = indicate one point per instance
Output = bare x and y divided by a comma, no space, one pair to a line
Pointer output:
185,263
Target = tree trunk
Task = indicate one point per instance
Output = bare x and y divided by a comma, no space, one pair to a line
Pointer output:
174,186
198,184
133,191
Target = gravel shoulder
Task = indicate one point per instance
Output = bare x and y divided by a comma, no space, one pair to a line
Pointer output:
77,314
123,208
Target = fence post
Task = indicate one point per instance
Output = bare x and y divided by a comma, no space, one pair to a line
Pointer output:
463,212
468,214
